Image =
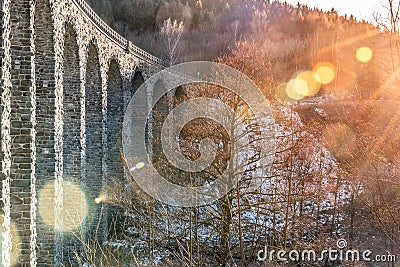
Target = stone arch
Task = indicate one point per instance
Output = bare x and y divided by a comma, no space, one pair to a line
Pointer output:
73,23
94,123
45,118
136,81
92,42
131,84
113,60
159,89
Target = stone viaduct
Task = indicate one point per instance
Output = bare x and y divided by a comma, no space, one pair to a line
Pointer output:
66,79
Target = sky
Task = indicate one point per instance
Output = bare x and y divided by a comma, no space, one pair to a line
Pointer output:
361,9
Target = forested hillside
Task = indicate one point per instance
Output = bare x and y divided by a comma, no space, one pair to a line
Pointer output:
333,86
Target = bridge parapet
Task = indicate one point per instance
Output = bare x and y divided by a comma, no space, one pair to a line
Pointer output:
114,36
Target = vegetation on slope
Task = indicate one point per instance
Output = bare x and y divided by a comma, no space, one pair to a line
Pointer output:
337,168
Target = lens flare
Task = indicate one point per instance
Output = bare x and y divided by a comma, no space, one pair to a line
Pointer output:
140,165
74,211
324,72
310,78
99,200
15,242
364,54
296,89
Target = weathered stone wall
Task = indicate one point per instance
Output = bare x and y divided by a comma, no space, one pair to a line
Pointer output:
115,113
71,107
71,125
45,116
21,125
1,93
94,126
5,133
66,81
115,97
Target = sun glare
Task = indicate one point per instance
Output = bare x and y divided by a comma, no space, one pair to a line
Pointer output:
324,72
15,241
74,211
310,78
99,199
364,54
306,83
138,166
296,89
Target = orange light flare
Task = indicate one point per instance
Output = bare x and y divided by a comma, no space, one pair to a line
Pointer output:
364,54
346,68
311,79
304,84
325,72
350,41
102,198
335,79
138,166
296,89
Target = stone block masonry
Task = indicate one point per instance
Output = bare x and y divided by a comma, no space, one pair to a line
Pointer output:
66,78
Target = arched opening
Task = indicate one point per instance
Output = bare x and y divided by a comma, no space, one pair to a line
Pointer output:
136,82
131,85
45,110
94,126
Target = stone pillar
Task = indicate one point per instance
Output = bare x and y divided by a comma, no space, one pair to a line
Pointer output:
71,132
115,113
45,111
21,134
1,92
71,106
94,119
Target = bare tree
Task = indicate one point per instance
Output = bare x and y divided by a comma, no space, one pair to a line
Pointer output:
390,23
171,32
